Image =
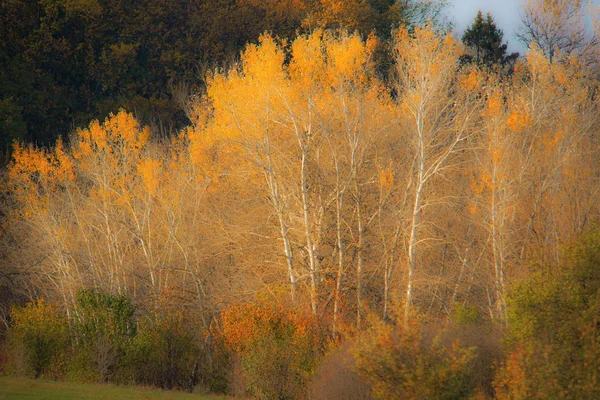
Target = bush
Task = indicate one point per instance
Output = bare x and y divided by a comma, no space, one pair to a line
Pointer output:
165,353
103,329
554,335
36,339
277,349
399,362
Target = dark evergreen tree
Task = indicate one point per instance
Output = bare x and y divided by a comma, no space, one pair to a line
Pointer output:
484,40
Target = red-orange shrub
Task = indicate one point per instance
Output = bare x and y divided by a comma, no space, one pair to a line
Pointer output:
278,348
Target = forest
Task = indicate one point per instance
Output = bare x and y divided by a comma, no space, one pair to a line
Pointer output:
296,199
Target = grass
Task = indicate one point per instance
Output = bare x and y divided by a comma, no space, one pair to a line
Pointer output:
14,388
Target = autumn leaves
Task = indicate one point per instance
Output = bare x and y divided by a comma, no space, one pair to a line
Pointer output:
303,170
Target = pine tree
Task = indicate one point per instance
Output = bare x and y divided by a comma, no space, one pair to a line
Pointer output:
485,41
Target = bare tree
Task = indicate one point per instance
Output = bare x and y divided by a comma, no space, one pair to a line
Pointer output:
558,28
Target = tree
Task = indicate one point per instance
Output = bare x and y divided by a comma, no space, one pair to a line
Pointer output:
495,176
484,40
436,121
36,338
304,131
558,28
103,329
108,212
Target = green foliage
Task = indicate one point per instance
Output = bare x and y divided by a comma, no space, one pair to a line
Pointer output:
485,41
465,315
104,314
165,353
278,348
64,63
12,126
103,329
554,331
399,362
36,339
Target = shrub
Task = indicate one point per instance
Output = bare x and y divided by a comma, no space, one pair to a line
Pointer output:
37,338
278,349
165,353
103,329
399,362
554,335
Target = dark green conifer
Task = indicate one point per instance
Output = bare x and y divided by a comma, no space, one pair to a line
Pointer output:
484,39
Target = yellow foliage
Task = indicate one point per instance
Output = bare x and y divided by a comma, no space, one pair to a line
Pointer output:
149,171
308,59
347,59
426,63
471,80
263,62
496,155
494,105
66,168
120,134
518,119
536,61
267,103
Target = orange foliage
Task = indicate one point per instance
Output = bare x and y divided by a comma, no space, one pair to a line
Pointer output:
511,378
471,81
247,325
518,119
279,348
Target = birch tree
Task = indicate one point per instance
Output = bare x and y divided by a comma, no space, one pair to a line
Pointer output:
436,119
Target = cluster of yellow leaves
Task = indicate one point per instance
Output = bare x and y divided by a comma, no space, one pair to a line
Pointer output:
346,60
473,80
35,174
268,103
495,105
518,119
427,54
149,171
110,155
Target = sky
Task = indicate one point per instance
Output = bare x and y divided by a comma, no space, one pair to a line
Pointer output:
506,14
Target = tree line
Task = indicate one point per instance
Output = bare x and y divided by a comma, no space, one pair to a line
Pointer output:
67,62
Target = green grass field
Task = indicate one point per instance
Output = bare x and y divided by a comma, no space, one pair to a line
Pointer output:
12,388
